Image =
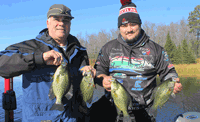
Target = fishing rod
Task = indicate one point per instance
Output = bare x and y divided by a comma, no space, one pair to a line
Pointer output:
9,100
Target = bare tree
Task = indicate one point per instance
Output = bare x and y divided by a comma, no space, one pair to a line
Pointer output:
173,29
161,34
91,47
146,27
102,38
81,39
158,33
152,31
114,33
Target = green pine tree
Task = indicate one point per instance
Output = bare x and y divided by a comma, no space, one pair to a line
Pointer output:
185,51
170,48
194,24
179,55
194,47
192,58
187,54
176,56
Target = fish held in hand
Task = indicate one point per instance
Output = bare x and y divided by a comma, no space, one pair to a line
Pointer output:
121,98
87,87
60,86
162,93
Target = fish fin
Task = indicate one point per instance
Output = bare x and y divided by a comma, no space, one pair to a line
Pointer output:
154,93
51,77
57,79
173,95
90,100
125,114
59,107
130,104
69,94
51,93
83,109
115,95
118,110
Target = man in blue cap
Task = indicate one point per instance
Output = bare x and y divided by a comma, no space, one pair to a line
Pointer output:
37,60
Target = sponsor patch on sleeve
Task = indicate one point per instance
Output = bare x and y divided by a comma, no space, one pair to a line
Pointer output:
170,66
165,56
98,63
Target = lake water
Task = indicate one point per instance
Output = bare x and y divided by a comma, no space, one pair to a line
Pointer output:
17,87
167,113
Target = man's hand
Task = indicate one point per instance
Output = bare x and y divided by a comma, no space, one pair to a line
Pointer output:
52,57
88,68
106,81
177,86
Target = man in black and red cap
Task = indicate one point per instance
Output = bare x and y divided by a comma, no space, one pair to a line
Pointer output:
37,60
134,60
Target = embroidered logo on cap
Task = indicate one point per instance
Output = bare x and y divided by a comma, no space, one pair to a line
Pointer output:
124,21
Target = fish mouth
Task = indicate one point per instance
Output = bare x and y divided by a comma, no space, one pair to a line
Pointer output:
64,64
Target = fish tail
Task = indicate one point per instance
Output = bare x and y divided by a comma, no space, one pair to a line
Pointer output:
52,77
51,93
59,107
69,94
155,105
90,99
125,114
127,119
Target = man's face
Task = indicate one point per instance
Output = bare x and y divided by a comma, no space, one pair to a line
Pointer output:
59,27
130,32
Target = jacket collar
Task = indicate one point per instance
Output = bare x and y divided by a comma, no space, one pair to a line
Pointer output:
44,36
73,46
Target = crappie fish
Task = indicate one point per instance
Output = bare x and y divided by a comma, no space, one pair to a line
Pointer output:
162,93
87,87
121,98
60,86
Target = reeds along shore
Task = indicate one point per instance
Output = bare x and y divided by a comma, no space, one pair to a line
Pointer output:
189,70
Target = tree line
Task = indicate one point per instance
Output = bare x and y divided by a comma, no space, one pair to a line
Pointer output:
179,39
